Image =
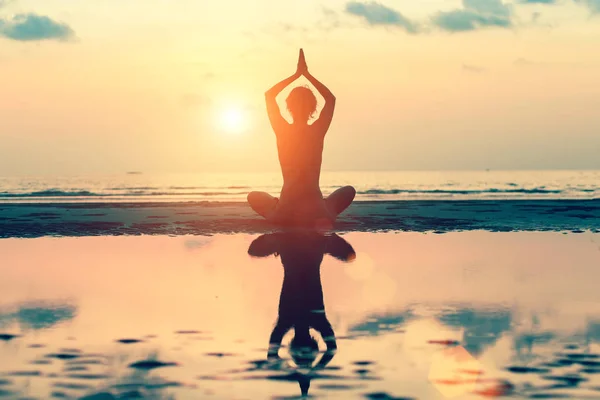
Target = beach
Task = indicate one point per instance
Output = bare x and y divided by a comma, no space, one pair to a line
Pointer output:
448,289
435,162
190,316
207,218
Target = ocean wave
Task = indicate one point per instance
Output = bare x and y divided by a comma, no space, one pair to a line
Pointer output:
207,187
51,193
228,191
467,192
134,188
85,193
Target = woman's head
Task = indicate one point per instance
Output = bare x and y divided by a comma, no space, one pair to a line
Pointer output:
304,349
301,103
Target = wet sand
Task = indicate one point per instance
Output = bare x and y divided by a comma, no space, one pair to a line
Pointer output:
464,315
205,218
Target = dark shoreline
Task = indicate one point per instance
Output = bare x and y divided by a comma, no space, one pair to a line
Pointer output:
243,202
29,220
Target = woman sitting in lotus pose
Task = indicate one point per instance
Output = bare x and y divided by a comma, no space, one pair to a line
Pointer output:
300,148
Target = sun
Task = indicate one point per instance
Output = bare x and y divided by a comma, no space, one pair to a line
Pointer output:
232,119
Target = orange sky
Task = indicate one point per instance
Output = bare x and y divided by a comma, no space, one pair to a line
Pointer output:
106,87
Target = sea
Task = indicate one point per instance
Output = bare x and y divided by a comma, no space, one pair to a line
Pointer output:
137,186
106,298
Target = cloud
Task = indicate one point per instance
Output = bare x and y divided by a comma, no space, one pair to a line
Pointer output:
376,324
195,244
593,5
329,20
524,62
537,1
31,27
491,7
38,315
527,63
378,14
473,69
475,14
284,31
481,328
290,33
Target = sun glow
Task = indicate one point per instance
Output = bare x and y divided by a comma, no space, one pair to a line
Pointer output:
232,120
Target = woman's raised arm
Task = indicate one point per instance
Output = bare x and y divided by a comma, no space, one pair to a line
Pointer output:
322,124
277,121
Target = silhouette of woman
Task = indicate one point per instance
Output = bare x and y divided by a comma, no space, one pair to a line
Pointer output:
301,305
300,150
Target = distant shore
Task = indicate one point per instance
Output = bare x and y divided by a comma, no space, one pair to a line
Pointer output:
30,220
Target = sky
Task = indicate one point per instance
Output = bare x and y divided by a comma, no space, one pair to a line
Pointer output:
107,86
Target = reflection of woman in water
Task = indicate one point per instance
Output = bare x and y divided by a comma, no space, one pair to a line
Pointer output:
301,304
300,148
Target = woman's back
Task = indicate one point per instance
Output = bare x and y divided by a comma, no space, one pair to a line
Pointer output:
300,156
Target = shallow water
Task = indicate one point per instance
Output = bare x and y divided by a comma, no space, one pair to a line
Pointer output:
370,185
425,316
